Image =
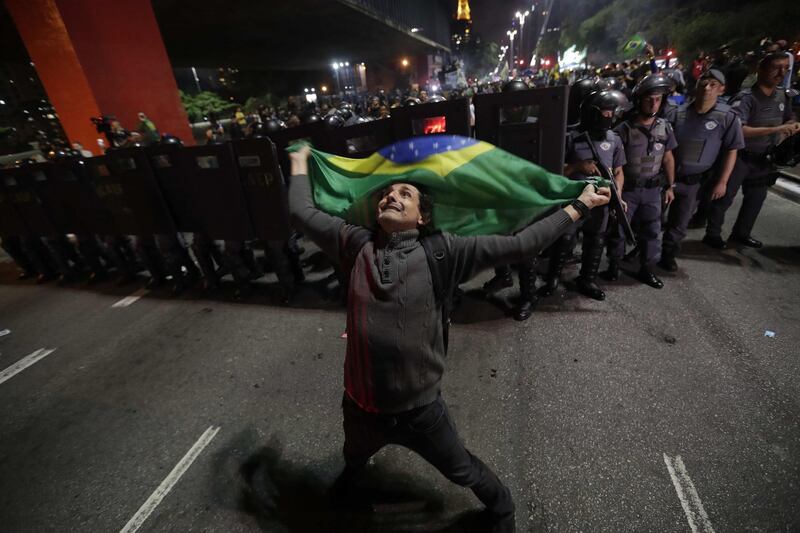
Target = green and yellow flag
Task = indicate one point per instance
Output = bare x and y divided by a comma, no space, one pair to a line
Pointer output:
635,46
478,189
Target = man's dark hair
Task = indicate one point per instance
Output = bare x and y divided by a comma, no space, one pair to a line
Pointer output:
426,207
769,57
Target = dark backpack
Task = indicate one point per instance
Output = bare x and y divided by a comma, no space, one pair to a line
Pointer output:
440,264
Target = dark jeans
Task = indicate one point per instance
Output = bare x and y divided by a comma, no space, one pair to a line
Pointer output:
430,432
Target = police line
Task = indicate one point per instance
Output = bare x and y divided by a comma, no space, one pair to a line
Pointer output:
237,190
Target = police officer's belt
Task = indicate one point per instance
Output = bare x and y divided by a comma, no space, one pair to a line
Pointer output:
643,183
692,179
764,159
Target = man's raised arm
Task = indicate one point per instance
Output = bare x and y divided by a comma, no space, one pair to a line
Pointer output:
320,227
474,254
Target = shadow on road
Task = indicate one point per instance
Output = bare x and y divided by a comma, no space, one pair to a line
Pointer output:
282,496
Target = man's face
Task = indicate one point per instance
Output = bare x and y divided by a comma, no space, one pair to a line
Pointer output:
651,103
709,89
398,208
773,73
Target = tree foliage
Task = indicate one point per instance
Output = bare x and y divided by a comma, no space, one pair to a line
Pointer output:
480,58
685,25
200,105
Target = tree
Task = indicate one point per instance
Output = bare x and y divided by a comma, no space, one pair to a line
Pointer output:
480,58
200,105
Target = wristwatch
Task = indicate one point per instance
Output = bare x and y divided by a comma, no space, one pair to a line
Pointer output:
580,207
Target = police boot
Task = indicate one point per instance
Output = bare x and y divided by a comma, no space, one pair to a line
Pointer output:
667,261
502,279
646,276
586,282
527,291
612,272
558,257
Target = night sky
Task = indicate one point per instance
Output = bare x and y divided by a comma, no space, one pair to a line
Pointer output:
492,18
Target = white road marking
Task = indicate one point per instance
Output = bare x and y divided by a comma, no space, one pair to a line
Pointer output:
128,300
24,363
170,481
687,494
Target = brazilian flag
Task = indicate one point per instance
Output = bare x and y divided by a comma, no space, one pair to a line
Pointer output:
478,189
634,47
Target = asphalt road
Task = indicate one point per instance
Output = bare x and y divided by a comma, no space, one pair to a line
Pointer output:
657,410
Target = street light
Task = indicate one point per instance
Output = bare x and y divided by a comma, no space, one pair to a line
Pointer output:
404,62
521,18
511,34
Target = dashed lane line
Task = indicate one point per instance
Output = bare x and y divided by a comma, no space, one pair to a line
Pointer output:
172,478
687,494
133,298
24,363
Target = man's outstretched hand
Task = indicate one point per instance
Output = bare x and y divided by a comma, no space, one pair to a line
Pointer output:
594,197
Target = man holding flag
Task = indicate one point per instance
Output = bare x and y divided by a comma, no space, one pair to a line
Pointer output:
397,337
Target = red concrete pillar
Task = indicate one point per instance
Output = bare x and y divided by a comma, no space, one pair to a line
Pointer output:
101,58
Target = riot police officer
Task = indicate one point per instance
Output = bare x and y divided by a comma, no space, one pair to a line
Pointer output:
766,114
707,130
527,270
649,141
577,94
598,112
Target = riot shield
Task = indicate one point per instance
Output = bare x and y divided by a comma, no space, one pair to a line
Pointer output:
174,174
265,192
18,189
125,184
451,117
70,195
358,140
206,181
540,140
11,223
313,132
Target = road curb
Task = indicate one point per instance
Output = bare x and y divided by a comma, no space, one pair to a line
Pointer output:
788,184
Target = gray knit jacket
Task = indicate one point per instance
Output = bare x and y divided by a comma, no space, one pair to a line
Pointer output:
395,346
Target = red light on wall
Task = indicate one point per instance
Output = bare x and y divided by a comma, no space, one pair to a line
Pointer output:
434,125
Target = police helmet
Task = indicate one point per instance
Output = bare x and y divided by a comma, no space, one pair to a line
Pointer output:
313,117
591,115
258,130
577,94
167,139
514,85
334,121
610,83
651,84
411,101
436,98
273,125
515,113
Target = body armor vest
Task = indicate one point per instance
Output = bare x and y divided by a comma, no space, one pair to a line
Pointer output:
766,111
651,147
691,149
